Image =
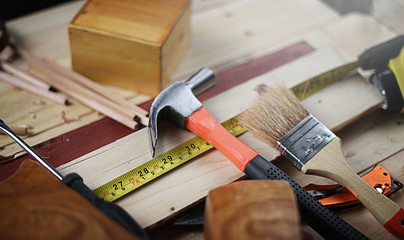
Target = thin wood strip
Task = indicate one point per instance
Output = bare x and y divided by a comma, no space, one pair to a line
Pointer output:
23,76
107,130
96,87
5,77
87,97
94,104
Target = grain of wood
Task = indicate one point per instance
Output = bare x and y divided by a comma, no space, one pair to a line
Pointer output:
54,211
197,177
365,143
49,39
252,209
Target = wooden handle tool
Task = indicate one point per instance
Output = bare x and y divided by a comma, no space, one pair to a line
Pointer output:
280,119
180,104
330,162
325,222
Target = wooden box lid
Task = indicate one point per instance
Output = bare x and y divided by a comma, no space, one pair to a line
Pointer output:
144,20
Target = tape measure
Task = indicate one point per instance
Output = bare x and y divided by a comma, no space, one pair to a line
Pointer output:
196,146
158,166
162,164
315,84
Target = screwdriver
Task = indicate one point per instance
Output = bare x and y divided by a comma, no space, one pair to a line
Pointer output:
75,182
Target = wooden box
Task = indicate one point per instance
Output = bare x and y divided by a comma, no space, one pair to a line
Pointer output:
132,44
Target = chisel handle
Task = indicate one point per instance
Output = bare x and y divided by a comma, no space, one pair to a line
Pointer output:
112,210
330,162
321,219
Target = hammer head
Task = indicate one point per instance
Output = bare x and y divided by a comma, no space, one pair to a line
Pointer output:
178,101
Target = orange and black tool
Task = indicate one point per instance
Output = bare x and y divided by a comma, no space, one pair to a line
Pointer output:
333,196
179,103
338,198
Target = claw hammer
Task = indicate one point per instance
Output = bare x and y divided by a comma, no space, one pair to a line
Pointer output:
178,103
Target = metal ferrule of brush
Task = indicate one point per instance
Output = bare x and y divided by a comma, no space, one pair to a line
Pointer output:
304,141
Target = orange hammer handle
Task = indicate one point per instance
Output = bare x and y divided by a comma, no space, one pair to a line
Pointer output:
321,219
207,127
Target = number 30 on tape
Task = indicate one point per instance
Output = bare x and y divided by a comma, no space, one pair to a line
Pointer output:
158,166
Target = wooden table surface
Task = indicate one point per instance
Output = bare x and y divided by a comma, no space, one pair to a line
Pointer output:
247,52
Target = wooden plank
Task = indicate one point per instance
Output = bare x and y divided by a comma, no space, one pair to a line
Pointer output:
49,39
332,32
197,177
237,29
35,30
107,130
243,72
55,207
390,13
34,111
252,209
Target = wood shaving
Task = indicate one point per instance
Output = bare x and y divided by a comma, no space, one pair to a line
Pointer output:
39,102
62,116
31,115
24,126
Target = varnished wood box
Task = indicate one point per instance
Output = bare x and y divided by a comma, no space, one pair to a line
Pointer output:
132,44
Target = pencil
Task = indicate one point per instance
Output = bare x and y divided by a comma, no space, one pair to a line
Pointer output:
279,119
39,91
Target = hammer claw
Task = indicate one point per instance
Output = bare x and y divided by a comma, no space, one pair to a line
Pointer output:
198,120
178,102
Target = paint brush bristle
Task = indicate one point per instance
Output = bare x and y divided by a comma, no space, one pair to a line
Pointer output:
274,114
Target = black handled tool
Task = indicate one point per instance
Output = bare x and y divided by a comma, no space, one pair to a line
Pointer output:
75,182
179,103
388,61
378,56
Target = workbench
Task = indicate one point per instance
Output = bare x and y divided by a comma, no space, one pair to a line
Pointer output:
245,42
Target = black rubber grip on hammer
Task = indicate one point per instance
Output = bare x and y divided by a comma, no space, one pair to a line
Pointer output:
317,216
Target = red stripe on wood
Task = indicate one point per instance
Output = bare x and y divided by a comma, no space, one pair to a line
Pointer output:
244,72
79,142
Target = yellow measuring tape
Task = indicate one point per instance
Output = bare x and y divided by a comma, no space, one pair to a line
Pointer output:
160,165
196,146
315,84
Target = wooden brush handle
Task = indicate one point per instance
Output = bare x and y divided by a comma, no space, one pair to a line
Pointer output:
316,215
321,219
330,162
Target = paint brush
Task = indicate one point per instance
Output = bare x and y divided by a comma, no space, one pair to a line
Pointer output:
279,119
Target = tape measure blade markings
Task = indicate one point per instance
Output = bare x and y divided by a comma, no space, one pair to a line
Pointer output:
321,81
160,165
